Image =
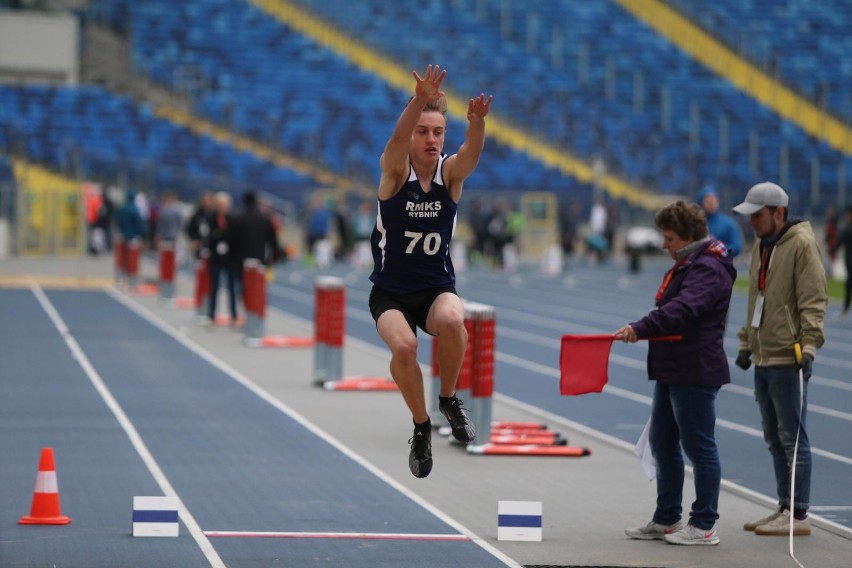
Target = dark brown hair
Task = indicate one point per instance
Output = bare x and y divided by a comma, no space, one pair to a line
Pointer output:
686,220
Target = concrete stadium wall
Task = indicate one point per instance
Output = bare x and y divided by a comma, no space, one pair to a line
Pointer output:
39,47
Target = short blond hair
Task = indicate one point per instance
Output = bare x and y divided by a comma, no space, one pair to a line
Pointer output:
439,105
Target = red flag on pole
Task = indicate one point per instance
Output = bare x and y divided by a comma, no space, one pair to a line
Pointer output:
583,362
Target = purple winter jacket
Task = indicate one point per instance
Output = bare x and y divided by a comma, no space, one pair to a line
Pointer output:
694,305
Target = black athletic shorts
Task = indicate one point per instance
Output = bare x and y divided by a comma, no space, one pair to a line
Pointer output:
414,306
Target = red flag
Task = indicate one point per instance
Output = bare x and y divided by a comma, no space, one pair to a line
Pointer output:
584,359
583,363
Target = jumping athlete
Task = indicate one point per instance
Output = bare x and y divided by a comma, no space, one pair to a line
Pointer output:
413,277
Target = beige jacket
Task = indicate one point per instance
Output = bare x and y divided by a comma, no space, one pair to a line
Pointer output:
795,300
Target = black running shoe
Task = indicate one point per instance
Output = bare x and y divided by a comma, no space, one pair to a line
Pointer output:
463,429
420,457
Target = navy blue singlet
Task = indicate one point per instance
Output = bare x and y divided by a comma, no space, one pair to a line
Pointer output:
411,240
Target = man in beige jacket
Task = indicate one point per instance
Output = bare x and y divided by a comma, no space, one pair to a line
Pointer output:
784,328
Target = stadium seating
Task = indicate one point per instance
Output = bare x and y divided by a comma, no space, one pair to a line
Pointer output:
567,71
263,80
578,112
109,137
807,44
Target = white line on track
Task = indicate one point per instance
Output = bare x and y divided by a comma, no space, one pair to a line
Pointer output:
551,371
337,535
641,366
310,426
135,439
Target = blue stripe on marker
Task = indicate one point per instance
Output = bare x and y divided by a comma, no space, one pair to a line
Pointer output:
519,520
155,516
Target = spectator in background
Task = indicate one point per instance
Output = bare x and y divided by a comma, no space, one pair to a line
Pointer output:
198,224
317,225
364,221
224,258
596,241
104,220
131,224
343,226
277,224
692,302
569,220
498,230
143,204
132,228
786,307
254,234
478,219
844,240
830,239
612,221
720,225
169,219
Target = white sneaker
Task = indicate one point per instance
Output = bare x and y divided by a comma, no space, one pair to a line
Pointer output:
652,531
780,526
693,535
751,525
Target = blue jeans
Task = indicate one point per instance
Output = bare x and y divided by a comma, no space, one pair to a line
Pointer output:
232,277
776,390
685,416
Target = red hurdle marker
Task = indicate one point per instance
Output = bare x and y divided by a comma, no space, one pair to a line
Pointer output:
119,266
329,333
131,261
202,284
168,268
254,300
329,328
528,439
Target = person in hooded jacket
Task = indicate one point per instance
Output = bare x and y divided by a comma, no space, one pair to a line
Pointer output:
720,225
692,302
787,299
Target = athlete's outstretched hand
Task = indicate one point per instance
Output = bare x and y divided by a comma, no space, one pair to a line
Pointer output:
479,106
430,85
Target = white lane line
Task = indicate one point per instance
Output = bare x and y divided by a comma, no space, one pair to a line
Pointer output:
638,365
550,371
310,426
337,535
135,439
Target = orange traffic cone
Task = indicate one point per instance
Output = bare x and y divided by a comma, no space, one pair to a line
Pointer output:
45,509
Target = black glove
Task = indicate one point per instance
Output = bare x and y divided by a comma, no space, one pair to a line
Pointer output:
807,366
744,360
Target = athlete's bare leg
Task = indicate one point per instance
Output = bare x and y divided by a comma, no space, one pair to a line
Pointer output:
404,368
446,321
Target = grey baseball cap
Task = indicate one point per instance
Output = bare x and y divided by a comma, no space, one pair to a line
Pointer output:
766,194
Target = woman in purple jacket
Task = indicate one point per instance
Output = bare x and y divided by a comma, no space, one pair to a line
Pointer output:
692,302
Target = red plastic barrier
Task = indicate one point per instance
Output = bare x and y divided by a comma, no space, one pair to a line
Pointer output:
286,341
120,253
482,383
132,256
167,264
254,289
529,450
336,317
202,283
